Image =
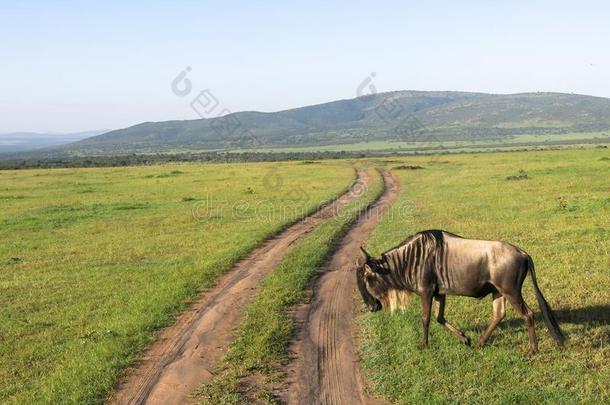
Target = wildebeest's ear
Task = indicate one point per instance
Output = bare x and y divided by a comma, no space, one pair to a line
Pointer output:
384,257
370,273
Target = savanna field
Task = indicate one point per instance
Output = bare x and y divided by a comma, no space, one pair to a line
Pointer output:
93,261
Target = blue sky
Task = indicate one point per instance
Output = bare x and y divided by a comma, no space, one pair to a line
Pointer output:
71,66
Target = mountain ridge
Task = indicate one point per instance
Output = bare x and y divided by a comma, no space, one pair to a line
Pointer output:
402,115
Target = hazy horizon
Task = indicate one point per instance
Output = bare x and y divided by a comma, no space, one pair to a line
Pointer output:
71,67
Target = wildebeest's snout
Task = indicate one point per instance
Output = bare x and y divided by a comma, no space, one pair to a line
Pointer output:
376,306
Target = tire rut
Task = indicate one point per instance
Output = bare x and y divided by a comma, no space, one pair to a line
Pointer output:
324,369
185,353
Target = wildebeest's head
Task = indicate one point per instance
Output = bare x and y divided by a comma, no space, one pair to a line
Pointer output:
369,282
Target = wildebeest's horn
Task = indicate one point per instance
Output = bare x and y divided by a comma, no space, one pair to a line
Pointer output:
366,254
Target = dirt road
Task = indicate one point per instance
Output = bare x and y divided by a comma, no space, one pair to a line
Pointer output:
186,352
325,369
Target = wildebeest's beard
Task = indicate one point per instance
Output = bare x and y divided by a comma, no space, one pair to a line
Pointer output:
371,302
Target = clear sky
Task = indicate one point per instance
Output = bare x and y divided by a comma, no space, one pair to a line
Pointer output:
72,66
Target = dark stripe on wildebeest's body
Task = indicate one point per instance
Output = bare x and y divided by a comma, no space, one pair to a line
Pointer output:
437,263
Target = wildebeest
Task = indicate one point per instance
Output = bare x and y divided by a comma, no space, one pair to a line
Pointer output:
437,263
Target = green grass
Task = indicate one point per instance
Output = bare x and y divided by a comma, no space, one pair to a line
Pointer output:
561,216
462,145
93,261
261,346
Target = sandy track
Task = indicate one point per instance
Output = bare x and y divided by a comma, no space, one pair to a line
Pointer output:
186,352
325,369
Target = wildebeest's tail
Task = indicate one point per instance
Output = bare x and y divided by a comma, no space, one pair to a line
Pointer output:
547,313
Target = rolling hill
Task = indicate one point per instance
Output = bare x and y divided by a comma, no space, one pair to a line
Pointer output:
393,116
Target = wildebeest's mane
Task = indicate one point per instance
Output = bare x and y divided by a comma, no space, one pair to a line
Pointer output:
403,265
434,233
394,266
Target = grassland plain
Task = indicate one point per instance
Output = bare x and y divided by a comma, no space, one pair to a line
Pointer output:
254,360
560,214
532,140
93,261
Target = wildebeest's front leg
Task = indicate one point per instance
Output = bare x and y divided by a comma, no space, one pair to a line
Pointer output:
426,304
439,301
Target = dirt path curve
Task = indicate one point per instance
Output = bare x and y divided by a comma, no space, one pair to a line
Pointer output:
325,368
187,351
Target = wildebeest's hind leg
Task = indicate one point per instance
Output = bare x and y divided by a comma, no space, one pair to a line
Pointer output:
426,304
499,312
439,302
528,317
